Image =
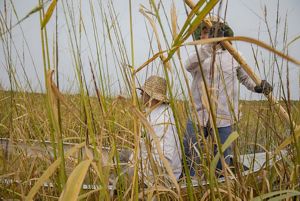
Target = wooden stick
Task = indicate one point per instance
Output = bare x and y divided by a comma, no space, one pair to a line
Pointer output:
249,71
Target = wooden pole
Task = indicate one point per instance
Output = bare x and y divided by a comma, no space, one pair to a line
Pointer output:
281,111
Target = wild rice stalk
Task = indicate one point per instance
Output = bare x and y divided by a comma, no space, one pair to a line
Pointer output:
136,130
106,120
50,106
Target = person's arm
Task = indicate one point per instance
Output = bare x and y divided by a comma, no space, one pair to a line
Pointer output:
192,64
264,86
245,79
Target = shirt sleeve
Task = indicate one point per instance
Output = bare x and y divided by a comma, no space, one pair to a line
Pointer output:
192,63
244,78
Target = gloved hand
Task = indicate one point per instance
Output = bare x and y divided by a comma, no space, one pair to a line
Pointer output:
264,87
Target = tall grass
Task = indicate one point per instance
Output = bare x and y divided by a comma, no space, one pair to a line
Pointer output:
95,118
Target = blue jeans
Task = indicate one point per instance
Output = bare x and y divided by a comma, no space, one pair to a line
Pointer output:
192,148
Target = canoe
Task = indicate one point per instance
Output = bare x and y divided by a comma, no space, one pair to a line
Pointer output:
252,162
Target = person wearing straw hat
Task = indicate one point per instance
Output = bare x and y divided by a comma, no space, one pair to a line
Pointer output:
160,116
212,66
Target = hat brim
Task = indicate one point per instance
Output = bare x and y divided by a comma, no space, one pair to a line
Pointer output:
154,95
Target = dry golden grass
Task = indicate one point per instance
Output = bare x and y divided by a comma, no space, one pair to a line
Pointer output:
254,135
94,122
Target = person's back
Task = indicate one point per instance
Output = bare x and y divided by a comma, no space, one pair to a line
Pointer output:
161,119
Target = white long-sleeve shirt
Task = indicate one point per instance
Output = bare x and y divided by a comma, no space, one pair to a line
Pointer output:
226,77
162,121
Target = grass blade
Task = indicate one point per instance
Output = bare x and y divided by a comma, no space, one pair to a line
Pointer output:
48,13
233,136
248,40
288,193
50,170
74,183
288,141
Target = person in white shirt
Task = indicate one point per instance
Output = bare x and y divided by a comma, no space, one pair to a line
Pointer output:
213,64
160,117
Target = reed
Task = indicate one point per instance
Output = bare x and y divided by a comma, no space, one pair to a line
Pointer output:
96,117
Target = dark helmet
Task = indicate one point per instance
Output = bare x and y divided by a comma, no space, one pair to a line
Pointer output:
219,29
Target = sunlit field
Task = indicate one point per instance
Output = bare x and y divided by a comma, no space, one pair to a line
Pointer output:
73,141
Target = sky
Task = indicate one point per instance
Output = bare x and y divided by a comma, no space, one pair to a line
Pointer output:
245,17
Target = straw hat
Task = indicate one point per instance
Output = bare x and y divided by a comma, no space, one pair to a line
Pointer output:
156,88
